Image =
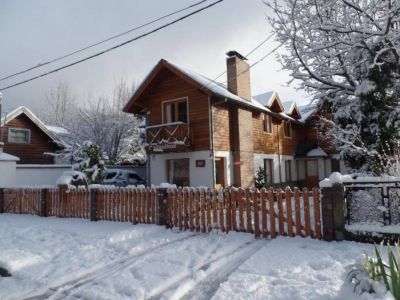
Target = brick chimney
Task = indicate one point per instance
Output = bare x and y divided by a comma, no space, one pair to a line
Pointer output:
238,75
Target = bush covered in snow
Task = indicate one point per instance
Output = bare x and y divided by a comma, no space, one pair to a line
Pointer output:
91,162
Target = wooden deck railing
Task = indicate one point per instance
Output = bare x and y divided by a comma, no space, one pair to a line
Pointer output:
168,136
264,213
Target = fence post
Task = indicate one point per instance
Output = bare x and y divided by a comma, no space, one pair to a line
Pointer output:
333,213
92,204
162,196
1,200
43,203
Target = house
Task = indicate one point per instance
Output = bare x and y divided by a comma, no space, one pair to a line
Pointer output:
200,133
28,138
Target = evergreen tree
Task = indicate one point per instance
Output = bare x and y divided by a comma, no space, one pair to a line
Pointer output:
260,178
91,162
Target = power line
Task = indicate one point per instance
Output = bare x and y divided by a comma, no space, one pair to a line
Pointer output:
248,54
114,47
100,42
258,61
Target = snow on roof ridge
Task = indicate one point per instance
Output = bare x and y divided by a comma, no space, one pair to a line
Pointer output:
23,109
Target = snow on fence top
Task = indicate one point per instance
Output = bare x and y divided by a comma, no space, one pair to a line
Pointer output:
337,178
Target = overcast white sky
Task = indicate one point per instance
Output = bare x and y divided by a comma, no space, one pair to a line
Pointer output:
33,31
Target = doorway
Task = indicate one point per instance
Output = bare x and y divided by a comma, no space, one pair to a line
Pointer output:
219,172
312,173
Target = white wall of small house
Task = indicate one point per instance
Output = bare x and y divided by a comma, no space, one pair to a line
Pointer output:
8,176
37,175
199,176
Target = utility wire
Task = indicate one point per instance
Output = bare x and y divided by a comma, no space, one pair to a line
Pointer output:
114,47
248,54
100,42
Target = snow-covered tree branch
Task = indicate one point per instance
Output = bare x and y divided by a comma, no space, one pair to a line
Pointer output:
345,53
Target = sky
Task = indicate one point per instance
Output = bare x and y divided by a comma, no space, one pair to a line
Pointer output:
33,31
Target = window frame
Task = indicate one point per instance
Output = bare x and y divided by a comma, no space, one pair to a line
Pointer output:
271,171
175,102
19,129
168,170
285,123
288,175
269,117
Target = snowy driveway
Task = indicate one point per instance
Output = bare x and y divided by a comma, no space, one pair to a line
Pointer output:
52,258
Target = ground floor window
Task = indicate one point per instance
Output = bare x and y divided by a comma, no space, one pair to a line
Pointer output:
301,170
178,171
288,170
268,167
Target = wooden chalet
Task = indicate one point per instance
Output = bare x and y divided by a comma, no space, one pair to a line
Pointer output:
200,133
28,138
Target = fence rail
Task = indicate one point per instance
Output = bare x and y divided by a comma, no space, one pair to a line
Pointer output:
264,213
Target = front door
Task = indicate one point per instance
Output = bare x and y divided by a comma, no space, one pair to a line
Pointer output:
311,173
219,172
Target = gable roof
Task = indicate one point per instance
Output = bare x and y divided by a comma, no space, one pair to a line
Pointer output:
307,111
291,109
22,110
203,83
261,102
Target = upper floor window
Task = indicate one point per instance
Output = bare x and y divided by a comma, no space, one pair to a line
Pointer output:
287,129
267,123
175,111
19,135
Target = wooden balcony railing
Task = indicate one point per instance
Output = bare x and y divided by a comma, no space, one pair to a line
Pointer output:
168,136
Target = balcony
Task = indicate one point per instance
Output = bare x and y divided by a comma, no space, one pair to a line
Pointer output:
168,137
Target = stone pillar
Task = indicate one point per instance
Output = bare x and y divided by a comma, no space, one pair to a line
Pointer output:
1,200
333,212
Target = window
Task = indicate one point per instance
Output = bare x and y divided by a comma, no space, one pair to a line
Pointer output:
335,165
288,170
175,111
301,170
268,165
110,175
178,171
19,135
287,129
267,123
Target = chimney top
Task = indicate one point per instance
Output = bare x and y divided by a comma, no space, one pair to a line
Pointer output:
233,53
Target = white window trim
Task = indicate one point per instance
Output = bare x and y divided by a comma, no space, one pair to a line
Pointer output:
290,129
20,129
174,100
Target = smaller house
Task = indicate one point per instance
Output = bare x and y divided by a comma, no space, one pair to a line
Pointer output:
27,137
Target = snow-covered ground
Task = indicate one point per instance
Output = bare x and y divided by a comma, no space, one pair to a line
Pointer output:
53,258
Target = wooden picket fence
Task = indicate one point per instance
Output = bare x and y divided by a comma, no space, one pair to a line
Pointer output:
264,213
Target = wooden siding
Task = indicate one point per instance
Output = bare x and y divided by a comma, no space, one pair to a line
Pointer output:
32,153
267,143
168,86
222,127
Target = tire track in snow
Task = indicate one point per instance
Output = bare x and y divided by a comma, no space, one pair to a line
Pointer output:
215,271
63,290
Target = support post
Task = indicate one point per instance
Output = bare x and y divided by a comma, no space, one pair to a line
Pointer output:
333,212
92,204
162,199
1,200
43,203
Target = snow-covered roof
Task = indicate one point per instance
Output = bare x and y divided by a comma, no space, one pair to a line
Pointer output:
24,110
218,88
8,157
58,130
259,102
306,111
316,152
265,98
288,106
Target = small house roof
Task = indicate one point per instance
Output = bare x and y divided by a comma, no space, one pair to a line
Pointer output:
25,111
